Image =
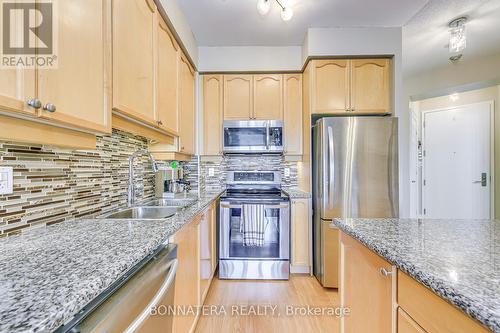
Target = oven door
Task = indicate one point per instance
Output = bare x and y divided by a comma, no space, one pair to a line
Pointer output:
276,233
245,137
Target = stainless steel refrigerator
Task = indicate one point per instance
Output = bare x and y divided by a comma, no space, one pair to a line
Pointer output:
355,174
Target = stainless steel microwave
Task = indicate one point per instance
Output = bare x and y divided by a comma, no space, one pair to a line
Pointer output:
253,137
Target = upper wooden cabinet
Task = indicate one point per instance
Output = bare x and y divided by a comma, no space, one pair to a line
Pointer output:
16,88
365,288
330,86
134,24
292,114
370,86
79,87
268,97
358,85
187,111
212,114
238,97
167,91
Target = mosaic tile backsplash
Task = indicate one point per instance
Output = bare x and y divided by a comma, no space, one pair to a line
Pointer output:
246,162
52,184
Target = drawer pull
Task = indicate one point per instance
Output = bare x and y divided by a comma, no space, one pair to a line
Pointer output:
385,272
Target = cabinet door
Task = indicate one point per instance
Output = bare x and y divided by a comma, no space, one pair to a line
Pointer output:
133,58
364,289
187,280
79,87
330,86
370,86
293,114
205,253
300,232
167,88
186,115
268,97
238,97
17,86
213,223
406,324
212,114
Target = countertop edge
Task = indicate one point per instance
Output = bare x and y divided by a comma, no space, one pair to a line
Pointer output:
437,286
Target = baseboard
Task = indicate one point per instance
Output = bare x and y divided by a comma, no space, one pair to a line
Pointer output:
300,269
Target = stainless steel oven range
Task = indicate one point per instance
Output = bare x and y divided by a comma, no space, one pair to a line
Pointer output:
254,227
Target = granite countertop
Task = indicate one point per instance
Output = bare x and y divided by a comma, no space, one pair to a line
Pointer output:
458,259
49,274
296,193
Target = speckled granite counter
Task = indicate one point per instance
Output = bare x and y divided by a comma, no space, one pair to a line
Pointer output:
295,193
458,259
49,274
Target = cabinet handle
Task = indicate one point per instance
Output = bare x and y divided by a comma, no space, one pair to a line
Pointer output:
34,103
49,107
159,122
385,272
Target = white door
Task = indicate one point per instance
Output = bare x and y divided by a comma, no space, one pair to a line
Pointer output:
457,148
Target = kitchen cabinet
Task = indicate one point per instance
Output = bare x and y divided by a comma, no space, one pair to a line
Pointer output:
77,92
300,234
429,311
167,92
17,87
238,97
268,97
207,253
366,288
331,86
187,283
186,114
212,114
292,114
370,86
347,86
134,24
406,324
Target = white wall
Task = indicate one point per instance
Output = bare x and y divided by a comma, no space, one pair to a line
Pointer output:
249,58
182,28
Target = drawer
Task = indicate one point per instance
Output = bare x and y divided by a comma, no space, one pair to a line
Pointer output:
430,311
406,324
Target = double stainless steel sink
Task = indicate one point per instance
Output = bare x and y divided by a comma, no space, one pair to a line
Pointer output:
151,210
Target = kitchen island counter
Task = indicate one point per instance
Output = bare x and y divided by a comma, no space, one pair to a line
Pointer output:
459,260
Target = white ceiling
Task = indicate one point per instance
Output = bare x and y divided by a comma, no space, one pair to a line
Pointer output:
425,37
237,22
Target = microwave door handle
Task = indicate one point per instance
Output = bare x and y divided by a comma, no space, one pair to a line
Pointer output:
267,135
145,314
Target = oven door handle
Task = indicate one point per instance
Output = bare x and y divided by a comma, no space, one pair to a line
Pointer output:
226,205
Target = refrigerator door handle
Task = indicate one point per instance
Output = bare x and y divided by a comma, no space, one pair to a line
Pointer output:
331,167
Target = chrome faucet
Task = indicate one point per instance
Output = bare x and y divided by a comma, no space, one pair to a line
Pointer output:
131,187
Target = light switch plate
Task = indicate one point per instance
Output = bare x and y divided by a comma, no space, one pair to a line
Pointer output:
287,172
211,172
6,180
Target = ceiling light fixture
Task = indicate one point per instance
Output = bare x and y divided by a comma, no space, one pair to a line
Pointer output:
263,7
458,38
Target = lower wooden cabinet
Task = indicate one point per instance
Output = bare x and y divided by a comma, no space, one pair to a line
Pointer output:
431,312
406,324
196,254
300,231
365,288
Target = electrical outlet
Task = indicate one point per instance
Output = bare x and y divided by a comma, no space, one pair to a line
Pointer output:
211,172
6,180
287,172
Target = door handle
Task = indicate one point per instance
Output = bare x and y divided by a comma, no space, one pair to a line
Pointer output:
483,180
331,167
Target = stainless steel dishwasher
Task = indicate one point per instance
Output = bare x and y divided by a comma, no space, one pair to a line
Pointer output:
141,303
